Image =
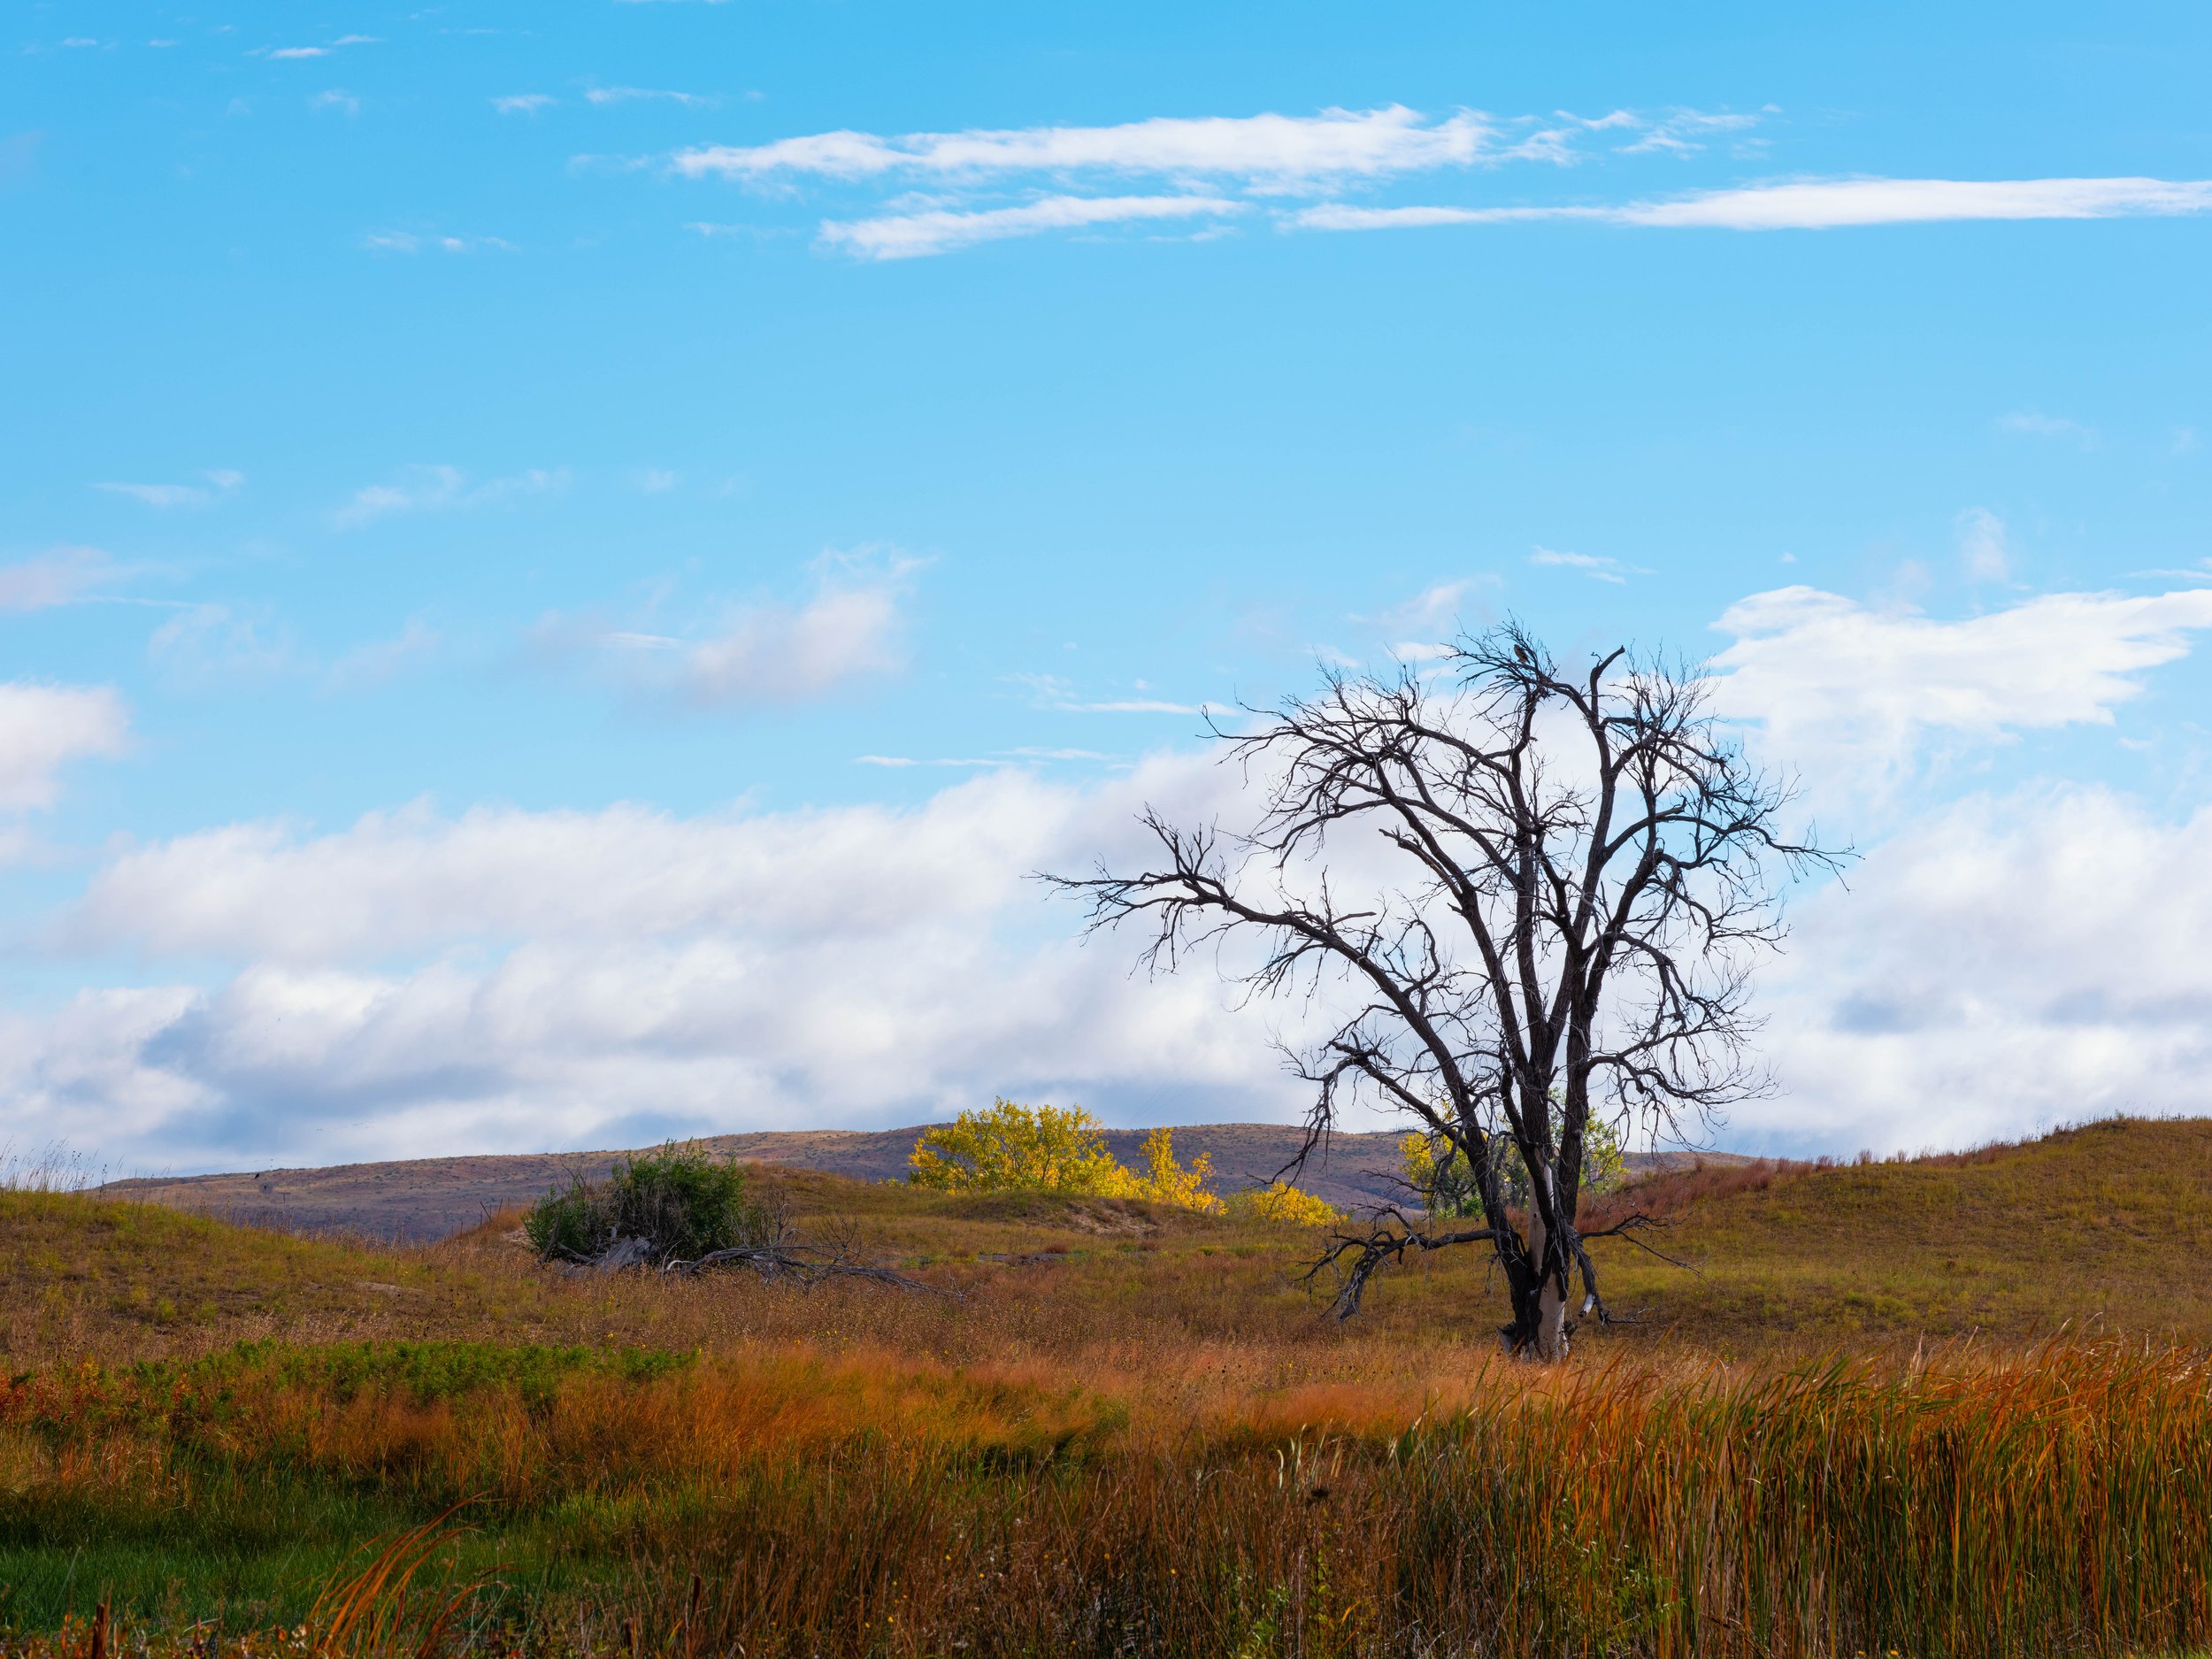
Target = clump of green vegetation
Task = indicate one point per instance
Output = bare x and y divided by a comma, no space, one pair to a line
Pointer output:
1446,1180
676,1204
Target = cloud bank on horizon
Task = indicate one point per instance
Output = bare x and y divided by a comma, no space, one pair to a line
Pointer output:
506,976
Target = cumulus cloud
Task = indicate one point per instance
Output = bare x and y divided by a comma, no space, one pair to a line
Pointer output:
1816,204
44,727
1861,693
424,982
509,977
2029,958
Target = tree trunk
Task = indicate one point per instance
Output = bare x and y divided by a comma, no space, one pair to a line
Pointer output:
1543,1319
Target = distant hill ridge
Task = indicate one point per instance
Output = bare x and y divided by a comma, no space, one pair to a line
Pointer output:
420,1199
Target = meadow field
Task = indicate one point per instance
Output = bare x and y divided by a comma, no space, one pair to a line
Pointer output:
1957,1405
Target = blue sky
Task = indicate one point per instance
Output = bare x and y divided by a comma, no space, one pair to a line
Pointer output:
494,494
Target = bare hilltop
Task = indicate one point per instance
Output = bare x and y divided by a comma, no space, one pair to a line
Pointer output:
418,1200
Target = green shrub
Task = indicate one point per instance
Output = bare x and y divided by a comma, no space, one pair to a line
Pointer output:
679,1203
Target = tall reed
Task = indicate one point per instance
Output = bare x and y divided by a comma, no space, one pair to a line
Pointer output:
2058,1501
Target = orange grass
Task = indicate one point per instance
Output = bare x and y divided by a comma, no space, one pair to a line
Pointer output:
1142,1437
2059,1501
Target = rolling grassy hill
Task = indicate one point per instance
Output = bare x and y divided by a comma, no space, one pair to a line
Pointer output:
2104,1227
1133,1429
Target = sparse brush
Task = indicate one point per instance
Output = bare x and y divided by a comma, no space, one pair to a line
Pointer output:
677,1203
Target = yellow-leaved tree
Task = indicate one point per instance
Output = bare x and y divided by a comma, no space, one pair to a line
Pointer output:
1167,1182
1015,1148
1280,1202
1012,1148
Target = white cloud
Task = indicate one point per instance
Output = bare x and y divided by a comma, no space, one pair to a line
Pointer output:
1064,177
768,652
1855,695
1279,149
1685,132
207,645
2035,424
412,241
442,489
43,727
378,660
1050,691
937,230
223,481
524,102
2031,958
53,578
418,983
294,53
771,654
1816,204
336,99
629,94
1596,566
656,481
580,976
1982,547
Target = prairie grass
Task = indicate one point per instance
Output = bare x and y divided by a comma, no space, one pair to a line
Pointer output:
2054,1500
1137,1434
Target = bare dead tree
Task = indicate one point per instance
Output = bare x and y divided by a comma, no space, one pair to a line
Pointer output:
1577,876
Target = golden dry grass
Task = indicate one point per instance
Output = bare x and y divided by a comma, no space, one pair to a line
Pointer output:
1141,1412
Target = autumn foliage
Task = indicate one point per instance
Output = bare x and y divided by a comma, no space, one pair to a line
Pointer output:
1011,1148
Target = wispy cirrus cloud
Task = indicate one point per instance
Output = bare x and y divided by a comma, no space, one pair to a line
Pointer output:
1812,205
411,241
57,577
286,54
2035,424
440,489
758,652
940,230
524,102
1277,150
220,483
1596,566
988,184
632,95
